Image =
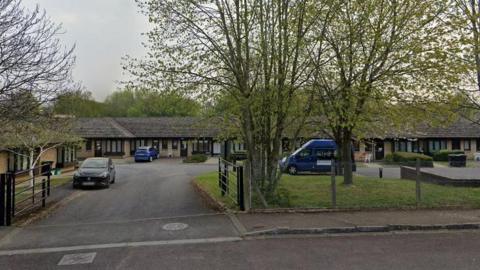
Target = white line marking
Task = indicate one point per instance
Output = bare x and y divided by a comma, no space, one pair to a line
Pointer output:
120,245
80,258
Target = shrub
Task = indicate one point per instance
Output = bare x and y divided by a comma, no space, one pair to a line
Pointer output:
409,159
196,158
442,155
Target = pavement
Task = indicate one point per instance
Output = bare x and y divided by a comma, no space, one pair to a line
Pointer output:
152,218
264,223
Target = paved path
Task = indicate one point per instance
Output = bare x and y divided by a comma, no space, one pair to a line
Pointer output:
389,173
145,197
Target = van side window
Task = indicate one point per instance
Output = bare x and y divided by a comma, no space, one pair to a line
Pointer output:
325,154
305,153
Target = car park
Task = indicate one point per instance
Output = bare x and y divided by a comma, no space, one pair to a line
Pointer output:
146,153
95,172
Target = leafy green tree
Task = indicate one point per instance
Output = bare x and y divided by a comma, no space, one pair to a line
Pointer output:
252,51
78,103
379,53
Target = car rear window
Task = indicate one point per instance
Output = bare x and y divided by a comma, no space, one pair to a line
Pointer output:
94,163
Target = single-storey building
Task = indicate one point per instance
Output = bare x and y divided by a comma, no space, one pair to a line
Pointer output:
171,136
184,136
462,135
63,157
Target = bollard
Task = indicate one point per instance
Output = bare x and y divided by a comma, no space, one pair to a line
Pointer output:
380,172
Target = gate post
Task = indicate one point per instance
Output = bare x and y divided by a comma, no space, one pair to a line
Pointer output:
240,190
44,192
2,199
8,207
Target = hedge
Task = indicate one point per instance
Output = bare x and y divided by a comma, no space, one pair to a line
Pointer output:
442,155
196,158
409,159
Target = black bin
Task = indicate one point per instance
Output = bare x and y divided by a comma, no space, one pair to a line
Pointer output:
457,160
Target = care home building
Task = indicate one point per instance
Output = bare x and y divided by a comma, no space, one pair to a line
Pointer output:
171,136
460,135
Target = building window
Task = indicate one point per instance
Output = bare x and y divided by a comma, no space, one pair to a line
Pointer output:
456,144
478,144
466,145
437,145
88,145
174,144
164,144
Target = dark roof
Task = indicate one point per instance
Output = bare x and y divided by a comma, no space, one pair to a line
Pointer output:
146,127
99,128
460,128
196,127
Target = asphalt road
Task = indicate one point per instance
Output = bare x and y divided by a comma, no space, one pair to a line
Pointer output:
145,197
370,252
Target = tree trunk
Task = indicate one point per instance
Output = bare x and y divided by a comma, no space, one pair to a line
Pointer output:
346,149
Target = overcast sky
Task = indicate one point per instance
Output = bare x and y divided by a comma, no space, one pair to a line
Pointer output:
103,31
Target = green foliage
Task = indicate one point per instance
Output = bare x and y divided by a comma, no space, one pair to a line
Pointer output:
409,159
79,103
196,158
442,155
127,103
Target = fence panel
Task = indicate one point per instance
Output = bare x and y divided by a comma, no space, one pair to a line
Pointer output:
22,192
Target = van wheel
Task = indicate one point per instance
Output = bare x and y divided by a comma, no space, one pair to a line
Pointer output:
292,170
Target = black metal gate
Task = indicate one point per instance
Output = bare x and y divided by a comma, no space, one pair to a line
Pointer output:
230,182
21,193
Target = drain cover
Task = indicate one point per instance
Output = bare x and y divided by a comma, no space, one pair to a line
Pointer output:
175,226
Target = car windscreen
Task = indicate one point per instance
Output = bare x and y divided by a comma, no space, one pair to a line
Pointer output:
141,150
94,163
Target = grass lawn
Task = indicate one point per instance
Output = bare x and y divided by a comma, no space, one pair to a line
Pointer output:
313,191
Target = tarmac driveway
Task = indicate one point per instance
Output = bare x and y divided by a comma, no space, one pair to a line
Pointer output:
145,197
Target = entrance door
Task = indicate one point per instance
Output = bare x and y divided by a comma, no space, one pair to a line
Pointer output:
98,149
183,148
379,150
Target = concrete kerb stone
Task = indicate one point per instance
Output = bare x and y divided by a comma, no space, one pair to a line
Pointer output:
208,199
363,229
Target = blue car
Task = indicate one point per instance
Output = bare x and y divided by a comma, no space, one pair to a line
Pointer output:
146,154
313,156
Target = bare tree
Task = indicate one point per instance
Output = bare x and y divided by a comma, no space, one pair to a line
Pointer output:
32,60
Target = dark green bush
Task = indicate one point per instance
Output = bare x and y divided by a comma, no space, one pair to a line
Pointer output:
409,159
442,155
196,158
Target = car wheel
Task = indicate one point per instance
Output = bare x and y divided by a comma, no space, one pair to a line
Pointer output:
292,170
75,186
113,180
107,184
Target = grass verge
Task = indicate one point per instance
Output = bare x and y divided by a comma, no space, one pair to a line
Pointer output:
314,191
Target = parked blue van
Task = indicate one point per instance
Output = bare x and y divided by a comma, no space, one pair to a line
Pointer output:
313,156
